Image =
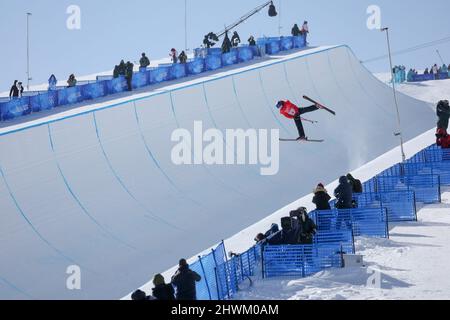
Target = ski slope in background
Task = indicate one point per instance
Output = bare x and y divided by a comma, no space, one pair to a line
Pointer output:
95,187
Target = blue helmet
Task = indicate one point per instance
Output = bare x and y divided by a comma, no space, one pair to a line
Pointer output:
280,104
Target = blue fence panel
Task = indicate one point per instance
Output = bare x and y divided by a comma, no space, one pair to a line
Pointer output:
195,66
140,79
213,62
369,222
94,90
433,154
341,237
273,46
214,51
117,85
69,96
15,108
426,187
300,261
177,71
299,42
230,58
245,53
400,205
286,43
210,276
202,286
160,74
441,168
44,101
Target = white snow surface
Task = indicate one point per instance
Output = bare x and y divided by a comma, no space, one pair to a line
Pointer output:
412,264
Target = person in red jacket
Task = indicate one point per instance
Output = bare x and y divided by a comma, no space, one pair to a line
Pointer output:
442,138
291,111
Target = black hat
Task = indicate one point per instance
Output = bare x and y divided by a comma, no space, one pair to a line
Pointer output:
139,295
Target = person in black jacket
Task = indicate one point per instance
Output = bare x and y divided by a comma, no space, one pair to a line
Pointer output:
296,30
344,194
14,92
129,75
140,295
235,39
184,280
443,113
356,184
321,198
226,45
251,41
306,226
344,197
162,291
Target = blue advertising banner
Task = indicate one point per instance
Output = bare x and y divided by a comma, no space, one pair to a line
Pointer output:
213,62
117,85
195,66
245,53
69,96
44,101
140,79
273,46
159,74
94,90
299,42
230,58
177,71
287,43
15,108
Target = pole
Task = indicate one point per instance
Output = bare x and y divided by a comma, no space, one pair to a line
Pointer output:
279,19
185,27
400,134
28,51
440,57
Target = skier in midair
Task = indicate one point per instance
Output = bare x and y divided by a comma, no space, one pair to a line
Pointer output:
291,111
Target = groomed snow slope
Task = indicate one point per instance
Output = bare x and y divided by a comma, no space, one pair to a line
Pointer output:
96,188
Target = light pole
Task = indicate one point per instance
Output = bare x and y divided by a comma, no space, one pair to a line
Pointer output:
440,57
28,51
279,19
399,133
185,27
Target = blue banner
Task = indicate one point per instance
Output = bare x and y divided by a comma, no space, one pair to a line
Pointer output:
245,53
159,74
117,85
140,79
69,96
287,43
196,66
15,108
230,58
299,42
44,101
177,71
94,90
214,51
428,77
213,62
273,46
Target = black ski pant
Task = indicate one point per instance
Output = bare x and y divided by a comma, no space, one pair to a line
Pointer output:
443,123
298,119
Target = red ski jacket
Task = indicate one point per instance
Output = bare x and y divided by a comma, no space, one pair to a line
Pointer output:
289,110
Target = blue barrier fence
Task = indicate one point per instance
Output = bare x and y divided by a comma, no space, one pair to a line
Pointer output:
301,260
368,222
205,60
428,77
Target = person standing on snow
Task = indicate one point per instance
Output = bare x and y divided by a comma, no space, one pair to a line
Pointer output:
184,280
321,198
443,113
291,111
235,39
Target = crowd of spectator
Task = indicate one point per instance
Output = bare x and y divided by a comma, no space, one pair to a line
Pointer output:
184,280
435,70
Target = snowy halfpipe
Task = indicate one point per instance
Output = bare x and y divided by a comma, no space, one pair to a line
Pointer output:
98,189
